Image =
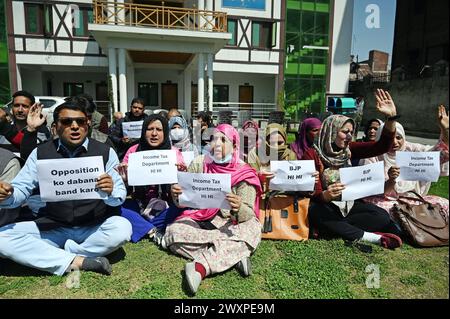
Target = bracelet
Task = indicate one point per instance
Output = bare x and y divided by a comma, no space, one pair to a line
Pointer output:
393,118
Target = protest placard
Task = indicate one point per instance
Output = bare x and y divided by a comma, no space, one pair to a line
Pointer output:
70,178
418,166
152,168
292,175
132,129
204,190
362,181
188,157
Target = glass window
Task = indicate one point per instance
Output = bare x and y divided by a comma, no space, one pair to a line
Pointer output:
33,18
262,35
85,16
232,28
73,89
220,93
148,92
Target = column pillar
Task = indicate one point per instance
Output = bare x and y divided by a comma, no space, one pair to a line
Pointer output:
123,81
210,82
112,61
201,82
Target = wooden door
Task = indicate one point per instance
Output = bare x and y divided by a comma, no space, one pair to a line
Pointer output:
101,96
169,95
245,96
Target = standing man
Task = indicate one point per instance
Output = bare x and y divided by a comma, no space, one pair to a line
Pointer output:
73,234
123,143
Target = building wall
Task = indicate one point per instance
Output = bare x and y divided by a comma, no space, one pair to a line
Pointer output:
5,93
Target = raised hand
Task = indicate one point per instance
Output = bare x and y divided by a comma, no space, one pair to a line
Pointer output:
442,118
385,103
35,117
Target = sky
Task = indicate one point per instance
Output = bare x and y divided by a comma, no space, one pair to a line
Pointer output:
379,37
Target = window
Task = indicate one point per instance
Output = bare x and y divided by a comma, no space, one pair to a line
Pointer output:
73,89
220,93
148,92
262,35
38,19
80,28
232,28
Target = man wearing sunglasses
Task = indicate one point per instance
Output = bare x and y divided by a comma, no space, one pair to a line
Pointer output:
73,234
136,114
22,101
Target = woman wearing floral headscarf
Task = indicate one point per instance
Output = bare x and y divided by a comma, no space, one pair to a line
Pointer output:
350,220
218,239
393,188
179,135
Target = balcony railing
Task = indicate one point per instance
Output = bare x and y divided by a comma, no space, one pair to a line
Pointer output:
131,14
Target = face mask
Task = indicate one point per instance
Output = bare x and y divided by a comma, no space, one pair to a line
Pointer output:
176,134
224,160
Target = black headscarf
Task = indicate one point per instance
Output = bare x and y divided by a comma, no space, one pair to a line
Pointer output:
144,145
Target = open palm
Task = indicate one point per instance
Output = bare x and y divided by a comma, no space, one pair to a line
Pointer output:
35,117
443,118
385,103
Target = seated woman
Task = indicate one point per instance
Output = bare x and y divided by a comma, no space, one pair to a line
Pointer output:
250,132
148,211
218,239
179,135
393,188
275,149
350,220
307,133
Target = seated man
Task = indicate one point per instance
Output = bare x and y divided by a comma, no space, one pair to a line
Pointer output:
67,234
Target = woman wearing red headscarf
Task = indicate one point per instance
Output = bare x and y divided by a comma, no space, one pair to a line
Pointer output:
218,239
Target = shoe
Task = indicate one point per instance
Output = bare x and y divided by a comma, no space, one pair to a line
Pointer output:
158,239
390,241
244,267
193,277
98,264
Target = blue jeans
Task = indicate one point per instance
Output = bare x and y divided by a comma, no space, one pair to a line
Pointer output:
53,251
141,226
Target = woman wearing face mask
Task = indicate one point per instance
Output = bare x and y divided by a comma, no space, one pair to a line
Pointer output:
179,135
307,133
250,131
218,239
274,148
350,220
394,188
148,212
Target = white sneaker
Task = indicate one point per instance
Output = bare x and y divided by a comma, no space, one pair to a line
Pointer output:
193,277
244,267
159,240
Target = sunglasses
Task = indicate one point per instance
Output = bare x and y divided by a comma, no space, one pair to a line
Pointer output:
67,121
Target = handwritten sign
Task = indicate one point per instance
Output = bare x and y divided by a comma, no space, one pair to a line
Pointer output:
152,168
132,129
70,178
188,157
292,175
204,190
362,181
418,166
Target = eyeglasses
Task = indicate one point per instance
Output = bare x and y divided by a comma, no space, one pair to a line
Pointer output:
67,121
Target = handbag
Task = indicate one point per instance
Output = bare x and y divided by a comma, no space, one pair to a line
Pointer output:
425,224
285,217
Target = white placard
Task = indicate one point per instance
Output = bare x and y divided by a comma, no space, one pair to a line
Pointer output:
292,176
204,190
362,181
418,166
132,129
188,157
152,168
70,178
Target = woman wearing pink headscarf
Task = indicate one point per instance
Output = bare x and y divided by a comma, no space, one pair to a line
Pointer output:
309,129
218,239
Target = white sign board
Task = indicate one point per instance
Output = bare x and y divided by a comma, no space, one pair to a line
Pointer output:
70,178
292,176
204,190
132,129
188,157
418,166
152,168
362,181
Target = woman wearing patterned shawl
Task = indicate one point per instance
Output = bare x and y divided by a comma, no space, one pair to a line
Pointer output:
350,220
218,239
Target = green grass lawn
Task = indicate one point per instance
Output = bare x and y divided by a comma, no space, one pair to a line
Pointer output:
281,269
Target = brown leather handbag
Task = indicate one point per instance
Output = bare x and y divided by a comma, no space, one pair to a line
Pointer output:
425,224
285,217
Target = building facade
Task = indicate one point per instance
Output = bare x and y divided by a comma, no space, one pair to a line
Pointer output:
193,54
5,92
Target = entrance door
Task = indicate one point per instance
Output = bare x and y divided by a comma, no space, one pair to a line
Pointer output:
245,96
169,95
101,96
